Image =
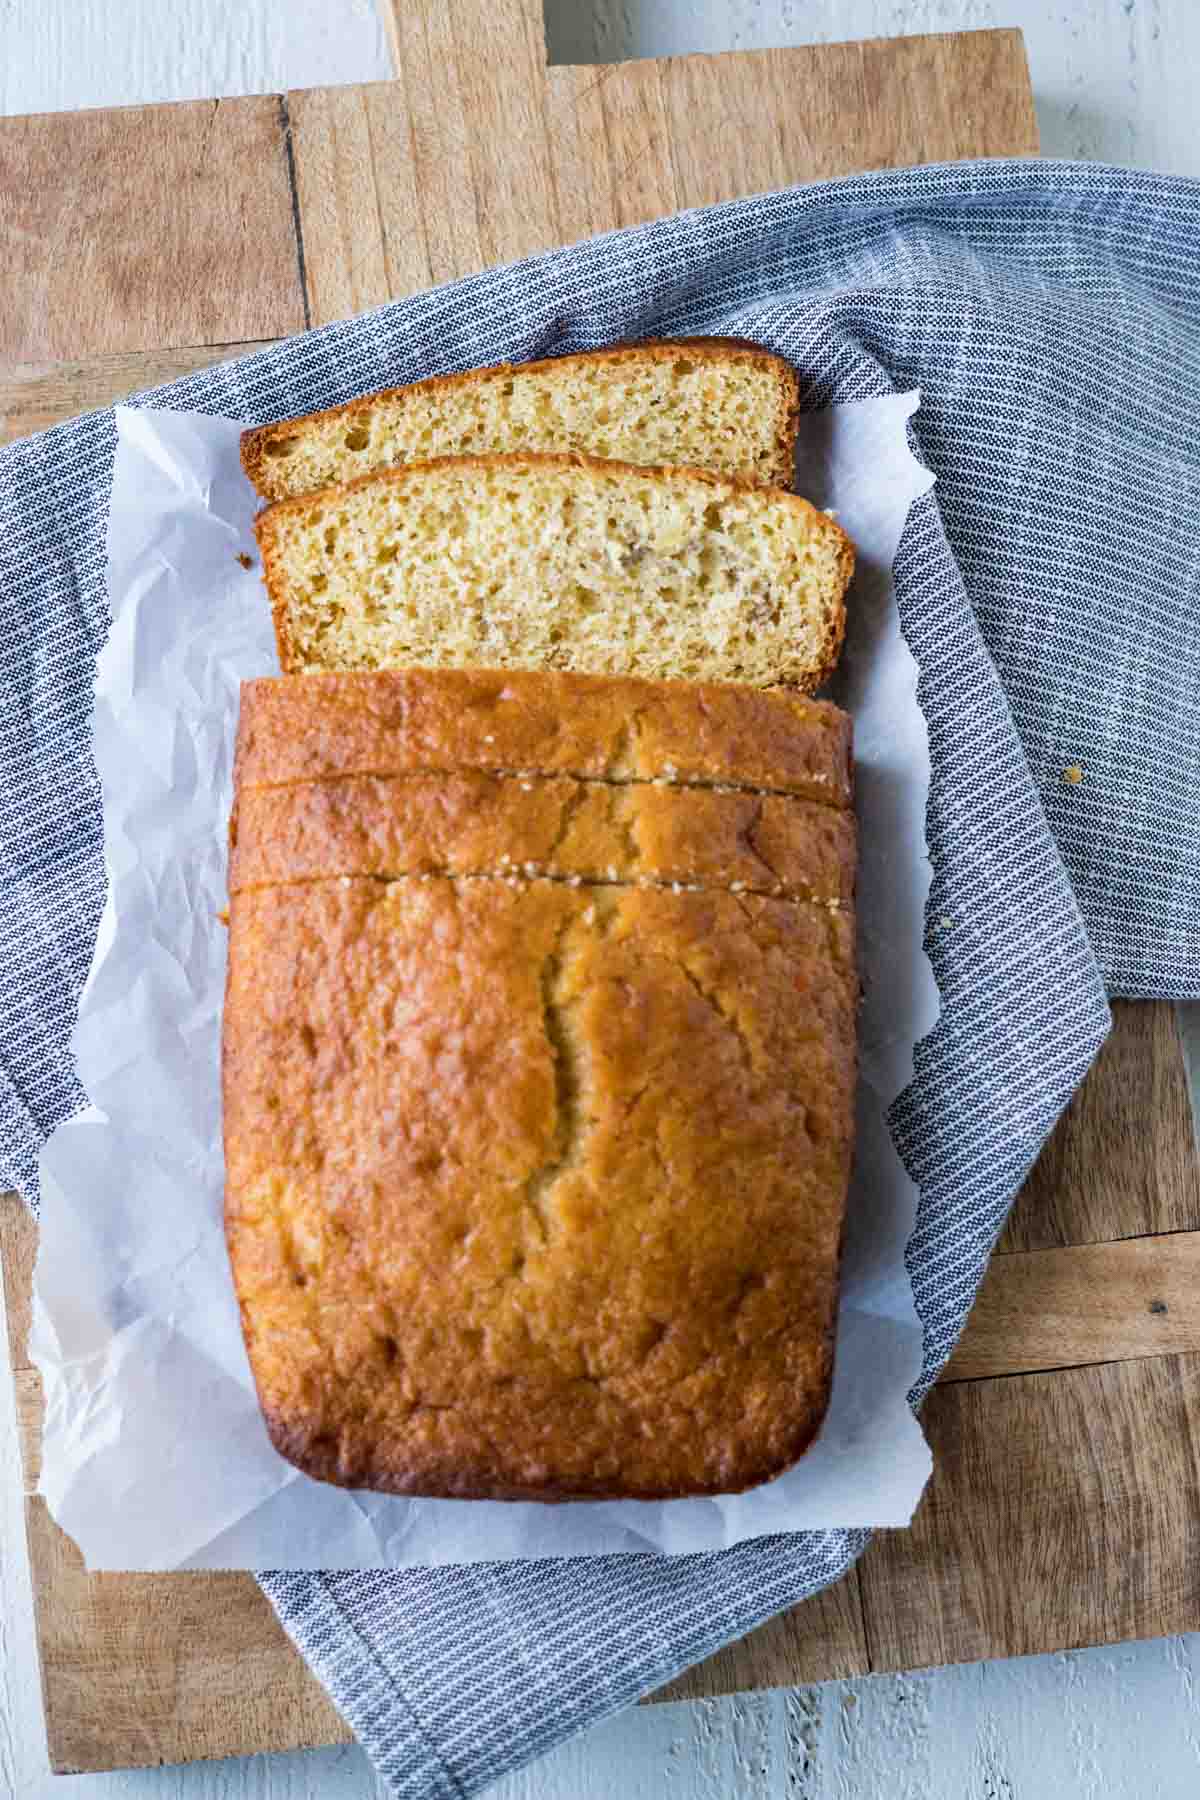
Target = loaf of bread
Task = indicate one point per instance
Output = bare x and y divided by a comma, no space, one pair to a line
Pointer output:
538,1078
558,562
708,402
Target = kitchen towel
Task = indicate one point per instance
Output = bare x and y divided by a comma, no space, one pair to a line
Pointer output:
1050,315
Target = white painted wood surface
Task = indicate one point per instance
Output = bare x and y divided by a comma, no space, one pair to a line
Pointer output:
1116,80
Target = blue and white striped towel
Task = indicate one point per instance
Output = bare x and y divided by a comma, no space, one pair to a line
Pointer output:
1050,314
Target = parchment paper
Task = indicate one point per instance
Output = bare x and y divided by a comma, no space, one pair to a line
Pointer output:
154,1454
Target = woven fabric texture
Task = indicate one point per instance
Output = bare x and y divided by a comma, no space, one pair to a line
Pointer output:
1050,315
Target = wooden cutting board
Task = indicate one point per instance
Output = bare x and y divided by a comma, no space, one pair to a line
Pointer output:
143,243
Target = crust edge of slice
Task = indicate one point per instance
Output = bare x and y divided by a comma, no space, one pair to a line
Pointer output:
255,442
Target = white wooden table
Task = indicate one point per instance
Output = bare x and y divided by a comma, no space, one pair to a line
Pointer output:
1116,80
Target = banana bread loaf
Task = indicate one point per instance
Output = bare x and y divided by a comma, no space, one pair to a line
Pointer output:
536,1180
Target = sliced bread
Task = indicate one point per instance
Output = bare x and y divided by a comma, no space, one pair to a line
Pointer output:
463,823
529,723
712,403
558,562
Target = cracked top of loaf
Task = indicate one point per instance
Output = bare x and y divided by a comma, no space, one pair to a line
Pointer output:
550,722
538,1078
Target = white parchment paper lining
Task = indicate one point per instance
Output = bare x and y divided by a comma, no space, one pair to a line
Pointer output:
154,1454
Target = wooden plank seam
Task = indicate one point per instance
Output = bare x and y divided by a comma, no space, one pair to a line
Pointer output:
289,151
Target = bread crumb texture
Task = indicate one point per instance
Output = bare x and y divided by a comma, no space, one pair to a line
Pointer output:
716,405
535,1183
558,562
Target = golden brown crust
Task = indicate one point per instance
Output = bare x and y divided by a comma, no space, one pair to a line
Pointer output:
276,580
405,721
255,443
557,826
536,1191
535,1187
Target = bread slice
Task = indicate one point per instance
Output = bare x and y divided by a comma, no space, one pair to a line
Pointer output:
613,729
709,402
468,825
558,562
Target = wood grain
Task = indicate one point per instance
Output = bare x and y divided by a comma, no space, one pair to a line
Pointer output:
1091,1303
396,193
631,141
1104,1173
18,1253
34,396
484,62
340,136
613,155
923,103
145,228
445,170
1062,1511
464,162
138,1669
